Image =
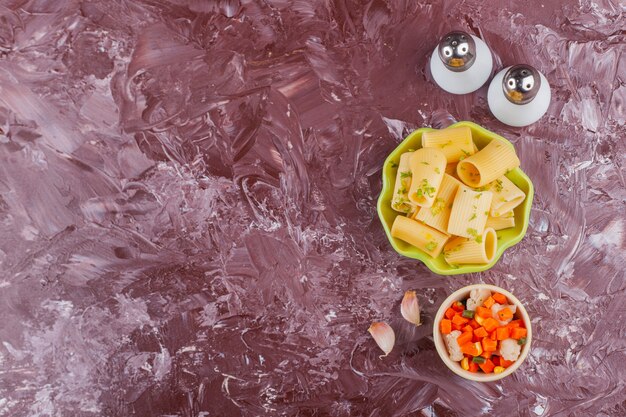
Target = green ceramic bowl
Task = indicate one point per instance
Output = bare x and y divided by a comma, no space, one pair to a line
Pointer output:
506,237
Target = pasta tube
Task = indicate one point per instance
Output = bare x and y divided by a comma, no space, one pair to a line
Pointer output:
456,143
506,196
438,215
419,235
400,200
488,164
503,222
427,168
451,169
481,250
469,212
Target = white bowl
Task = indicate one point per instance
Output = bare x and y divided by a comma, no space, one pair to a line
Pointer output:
440,344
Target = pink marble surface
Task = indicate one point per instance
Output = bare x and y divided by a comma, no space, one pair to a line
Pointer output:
187,207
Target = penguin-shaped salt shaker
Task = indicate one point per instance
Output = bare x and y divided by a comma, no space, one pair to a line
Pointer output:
461,63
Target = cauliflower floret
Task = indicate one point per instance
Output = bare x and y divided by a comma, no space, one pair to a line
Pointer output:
510,349
477,298
497,307
453,346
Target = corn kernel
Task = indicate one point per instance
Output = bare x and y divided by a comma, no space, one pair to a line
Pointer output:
465,363
498,369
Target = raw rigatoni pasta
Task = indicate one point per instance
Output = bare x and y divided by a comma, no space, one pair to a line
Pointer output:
438,214
456,142
419,235
451,169
469,212
506,196
502,222
481,250
427,168
400,201
488,164
453,197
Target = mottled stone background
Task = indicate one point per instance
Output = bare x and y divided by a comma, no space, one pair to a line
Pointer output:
187,207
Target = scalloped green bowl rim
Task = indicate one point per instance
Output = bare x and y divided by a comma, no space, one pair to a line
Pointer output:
506,237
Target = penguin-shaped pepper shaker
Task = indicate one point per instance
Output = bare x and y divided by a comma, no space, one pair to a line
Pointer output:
519,95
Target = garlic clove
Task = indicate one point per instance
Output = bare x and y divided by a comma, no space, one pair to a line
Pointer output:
383,335
410,308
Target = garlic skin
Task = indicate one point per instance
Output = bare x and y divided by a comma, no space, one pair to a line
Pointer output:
384,336
410,308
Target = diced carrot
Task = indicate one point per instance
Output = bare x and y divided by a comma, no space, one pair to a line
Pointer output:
516,323
456,326
489,324
496,360
473,367
505,314
464,338
472,348
468,328
489,345
489,302
481,332
450,313
500,298
446,326
487,367
517,333
483,312
458,306
460,320
505,363
502,333
474,324
486,355
493,335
